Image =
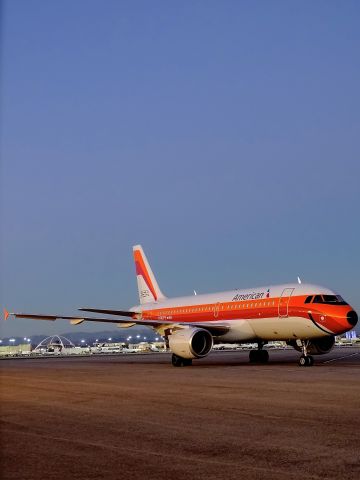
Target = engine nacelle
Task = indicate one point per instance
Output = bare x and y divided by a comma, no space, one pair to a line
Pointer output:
318,346
191,342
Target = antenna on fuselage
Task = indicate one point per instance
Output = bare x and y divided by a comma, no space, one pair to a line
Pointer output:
195,292
299,280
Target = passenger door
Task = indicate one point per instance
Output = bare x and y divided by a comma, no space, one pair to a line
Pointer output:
216,310
284,302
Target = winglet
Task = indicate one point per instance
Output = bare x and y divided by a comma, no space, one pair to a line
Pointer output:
6,314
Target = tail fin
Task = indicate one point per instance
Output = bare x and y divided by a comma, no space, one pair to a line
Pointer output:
148,287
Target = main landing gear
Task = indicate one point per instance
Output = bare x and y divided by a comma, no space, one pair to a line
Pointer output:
259,355
180,362
305,359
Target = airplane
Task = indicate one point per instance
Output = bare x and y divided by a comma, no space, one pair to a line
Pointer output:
307,317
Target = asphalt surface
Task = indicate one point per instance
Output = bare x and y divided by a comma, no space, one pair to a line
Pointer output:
137,417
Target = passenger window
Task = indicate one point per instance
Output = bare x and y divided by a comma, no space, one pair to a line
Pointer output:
308,299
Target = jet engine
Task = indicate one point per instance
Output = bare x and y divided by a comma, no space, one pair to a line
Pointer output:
318,346
191,343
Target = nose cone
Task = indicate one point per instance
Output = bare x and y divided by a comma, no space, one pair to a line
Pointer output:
352,318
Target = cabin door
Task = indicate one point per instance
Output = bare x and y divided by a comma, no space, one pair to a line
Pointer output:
284,302
216,310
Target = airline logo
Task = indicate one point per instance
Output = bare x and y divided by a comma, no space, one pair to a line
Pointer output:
141,271
248,296
268,293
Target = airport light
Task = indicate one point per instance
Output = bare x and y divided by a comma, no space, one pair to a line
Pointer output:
82,341
0,341
156,339
12,340
144,338
109,339
137,336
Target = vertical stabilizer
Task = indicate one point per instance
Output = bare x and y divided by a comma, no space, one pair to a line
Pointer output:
148,287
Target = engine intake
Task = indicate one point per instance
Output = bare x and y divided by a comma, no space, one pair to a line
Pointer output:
319,346
191,342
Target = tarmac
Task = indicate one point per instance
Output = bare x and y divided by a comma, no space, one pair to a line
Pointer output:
137,417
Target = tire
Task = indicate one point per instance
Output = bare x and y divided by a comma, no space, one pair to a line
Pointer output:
263,356
310,360
177,361
253,356
303,361
259,356
187,362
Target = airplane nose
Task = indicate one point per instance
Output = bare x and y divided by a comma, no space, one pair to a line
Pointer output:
352,318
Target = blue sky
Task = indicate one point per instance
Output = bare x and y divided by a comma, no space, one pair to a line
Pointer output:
222,136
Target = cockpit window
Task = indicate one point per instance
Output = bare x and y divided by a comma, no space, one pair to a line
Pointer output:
308,299
327,299
334,299
318,299
330,299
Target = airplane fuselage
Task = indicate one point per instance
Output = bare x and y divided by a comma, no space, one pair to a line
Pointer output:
280,312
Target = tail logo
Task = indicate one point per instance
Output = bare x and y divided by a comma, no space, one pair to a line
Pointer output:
142,271
268,293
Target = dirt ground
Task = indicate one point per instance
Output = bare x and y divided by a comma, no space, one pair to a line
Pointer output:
138,417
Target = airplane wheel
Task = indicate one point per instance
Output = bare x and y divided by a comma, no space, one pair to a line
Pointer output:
187,362
302,361
307,361
259,356
264,356
177,361
253,356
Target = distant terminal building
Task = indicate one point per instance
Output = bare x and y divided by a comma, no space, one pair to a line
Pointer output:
55,344
349,339
14,350
351,335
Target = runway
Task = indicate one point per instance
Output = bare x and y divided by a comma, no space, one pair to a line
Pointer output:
137,417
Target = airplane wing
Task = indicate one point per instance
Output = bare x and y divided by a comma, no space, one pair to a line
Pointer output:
214,329
122,313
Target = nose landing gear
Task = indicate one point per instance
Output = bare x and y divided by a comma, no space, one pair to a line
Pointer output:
305,359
